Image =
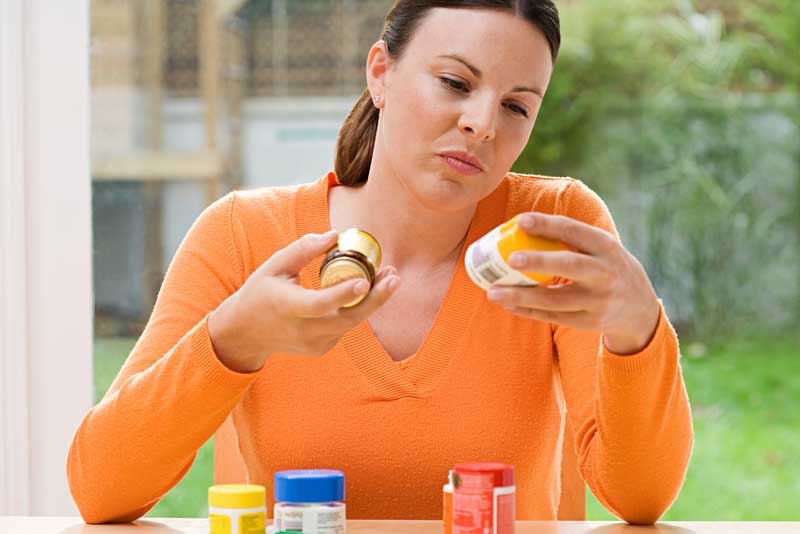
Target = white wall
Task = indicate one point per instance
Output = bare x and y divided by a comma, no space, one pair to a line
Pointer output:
46,328
291,140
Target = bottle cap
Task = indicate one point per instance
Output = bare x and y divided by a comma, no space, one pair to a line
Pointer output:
236,496
503,474
309,486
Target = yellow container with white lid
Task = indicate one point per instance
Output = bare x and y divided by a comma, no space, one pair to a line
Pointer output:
237,509
486,259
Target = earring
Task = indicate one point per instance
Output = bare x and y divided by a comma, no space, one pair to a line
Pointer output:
377,99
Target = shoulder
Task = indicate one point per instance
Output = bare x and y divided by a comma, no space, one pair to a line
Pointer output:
259,220
275,204
264,200
528,190
558,195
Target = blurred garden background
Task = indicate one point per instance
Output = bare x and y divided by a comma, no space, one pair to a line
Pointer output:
683,115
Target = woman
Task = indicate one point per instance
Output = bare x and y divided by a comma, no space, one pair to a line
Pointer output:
429,370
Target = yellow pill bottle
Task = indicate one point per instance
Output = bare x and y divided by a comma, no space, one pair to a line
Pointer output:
487,258
237,509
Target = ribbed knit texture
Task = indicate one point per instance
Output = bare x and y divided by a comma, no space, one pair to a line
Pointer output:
484,385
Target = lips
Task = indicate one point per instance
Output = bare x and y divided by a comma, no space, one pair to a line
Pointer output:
463,158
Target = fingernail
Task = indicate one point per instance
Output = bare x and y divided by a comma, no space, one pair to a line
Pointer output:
494,294
392,284
516,260
361,287
527,221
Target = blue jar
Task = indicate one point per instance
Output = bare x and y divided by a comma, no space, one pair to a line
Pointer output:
310,500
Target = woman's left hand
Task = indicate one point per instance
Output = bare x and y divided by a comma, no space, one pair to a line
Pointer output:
609,290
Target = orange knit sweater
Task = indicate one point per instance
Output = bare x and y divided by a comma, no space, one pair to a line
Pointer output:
484,385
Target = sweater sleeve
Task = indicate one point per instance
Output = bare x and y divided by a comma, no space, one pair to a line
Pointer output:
171,394
631,415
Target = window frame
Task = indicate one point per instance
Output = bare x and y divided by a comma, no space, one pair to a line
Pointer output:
45,249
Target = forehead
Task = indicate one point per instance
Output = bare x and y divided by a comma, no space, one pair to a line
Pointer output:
495,41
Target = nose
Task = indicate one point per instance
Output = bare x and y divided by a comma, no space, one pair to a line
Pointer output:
478,119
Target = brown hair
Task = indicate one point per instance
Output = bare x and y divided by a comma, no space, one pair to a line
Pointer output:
356,139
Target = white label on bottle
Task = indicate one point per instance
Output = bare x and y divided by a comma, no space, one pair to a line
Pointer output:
319,519
486,267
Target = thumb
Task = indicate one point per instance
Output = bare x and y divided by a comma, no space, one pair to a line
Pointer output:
291,259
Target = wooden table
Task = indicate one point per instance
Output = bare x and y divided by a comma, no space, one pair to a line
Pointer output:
74,525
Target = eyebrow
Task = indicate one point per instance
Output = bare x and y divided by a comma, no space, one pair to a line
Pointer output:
477,72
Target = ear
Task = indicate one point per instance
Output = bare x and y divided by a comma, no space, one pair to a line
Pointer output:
379,64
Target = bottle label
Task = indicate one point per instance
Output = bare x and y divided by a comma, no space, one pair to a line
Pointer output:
251,523
237,520
487,267
219,524
316,519
481,508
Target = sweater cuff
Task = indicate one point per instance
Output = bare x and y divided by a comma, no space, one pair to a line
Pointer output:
636,362
210,364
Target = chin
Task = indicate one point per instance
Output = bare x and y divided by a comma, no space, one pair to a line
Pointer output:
445,193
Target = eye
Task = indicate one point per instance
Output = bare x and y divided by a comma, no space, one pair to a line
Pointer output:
454,84
517,109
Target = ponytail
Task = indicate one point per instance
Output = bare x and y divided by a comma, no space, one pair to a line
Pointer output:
356,142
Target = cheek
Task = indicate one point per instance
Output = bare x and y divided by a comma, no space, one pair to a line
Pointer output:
417,116
511,140
414,126
511,146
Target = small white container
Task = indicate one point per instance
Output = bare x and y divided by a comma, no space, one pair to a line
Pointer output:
310,500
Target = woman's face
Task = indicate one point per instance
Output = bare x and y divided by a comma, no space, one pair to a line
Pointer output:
471,81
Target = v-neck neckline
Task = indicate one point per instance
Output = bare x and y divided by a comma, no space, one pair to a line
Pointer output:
418,375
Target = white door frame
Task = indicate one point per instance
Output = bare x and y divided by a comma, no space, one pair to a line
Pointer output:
45,249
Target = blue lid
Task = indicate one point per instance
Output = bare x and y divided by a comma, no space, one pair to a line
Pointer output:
309,485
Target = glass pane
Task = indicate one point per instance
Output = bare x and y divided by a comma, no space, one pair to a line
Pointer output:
689,135
187,106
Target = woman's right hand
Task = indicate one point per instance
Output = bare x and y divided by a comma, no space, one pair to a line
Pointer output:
271,313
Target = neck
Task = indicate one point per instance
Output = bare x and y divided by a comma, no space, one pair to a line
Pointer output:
412,236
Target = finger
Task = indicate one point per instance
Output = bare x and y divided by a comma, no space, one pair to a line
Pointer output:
565,298
562,263
291,259
582,236
312,303
380,294
577,320
326,302
387,270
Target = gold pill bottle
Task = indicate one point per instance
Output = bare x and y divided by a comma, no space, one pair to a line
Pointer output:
356,254
487,258
237,509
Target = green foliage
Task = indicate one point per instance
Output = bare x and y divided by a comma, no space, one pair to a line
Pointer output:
661,108
776,21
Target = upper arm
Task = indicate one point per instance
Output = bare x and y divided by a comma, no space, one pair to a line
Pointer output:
204,271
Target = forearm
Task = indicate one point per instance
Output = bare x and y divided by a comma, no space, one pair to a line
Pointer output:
229,342
143,437
639,446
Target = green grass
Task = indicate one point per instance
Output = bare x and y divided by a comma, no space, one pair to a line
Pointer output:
746,461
